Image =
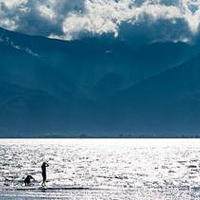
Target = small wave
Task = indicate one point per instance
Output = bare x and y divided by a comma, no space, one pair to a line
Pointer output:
192,166
48,188
52,188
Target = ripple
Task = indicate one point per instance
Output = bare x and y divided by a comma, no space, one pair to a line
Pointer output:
84,170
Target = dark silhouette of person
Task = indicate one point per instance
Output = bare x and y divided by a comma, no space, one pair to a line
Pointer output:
27,180
44,174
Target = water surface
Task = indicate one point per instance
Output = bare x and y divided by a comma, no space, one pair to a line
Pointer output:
110,169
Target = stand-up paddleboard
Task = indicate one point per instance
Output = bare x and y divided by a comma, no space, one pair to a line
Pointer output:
49,188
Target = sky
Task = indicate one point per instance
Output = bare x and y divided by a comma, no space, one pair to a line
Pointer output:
145,20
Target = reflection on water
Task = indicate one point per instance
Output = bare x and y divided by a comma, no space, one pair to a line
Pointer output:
101,169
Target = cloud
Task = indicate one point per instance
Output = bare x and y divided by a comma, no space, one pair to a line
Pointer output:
36,17
161,20
145,20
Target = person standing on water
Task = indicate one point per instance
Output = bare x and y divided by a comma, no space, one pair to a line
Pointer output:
44,175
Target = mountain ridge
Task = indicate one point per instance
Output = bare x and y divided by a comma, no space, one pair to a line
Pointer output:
96,87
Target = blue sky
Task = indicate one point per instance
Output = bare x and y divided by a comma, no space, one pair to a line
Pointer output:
151,20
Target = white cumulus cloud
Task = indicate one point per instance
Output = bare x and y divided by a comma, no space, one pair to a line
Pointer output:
176,20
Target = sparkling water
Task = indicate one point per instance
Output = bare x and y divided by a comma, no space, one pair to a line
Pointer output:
106,169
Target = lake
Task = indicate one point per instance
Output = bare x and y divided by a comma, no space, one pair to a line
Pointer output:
106,169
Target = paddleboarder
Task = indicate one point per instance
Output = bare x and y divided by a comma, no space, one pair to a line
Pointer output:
44,175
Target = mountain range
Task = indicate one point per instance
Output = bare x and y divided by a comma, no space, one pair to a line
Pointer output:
97,87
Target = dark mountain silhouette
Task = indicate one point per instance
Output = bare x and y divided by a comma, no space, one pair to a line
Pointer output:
96,87
168,101
22,109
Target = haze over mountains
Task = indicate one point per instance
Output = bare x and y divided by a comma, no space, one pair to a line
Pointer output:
97,87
